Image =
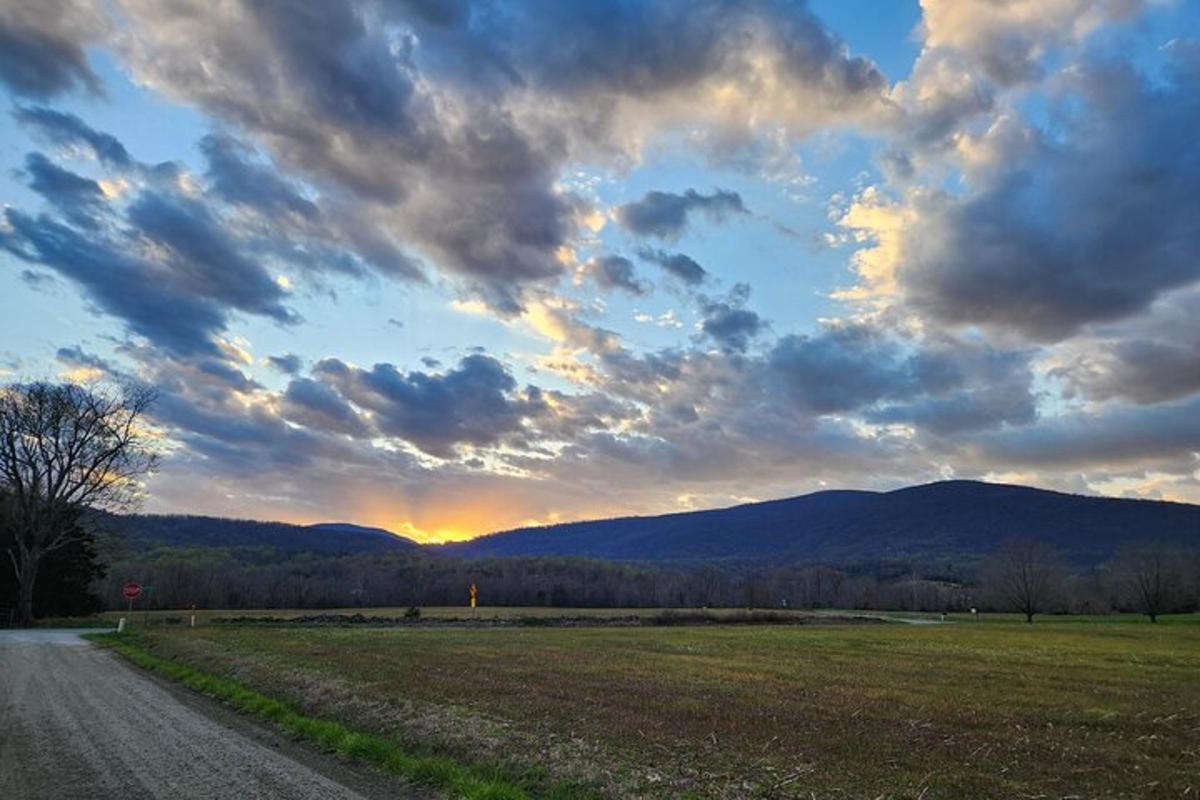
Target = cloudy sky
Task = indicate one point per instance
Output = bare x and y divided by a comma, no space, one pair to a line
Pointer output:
452,266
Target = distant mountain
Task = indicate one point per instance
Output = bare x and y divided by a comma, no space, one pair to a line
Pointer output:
144,532
951,520
352,529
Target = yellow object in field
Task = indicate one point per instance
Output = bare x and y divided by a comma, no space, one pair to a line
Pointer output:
474,594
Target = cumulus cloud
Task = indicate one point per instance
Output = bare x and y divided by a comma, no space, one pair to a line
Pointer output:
940,385
842,369
451,129
320,407
728,322
1151,358
207,248
69,130
973,52
616,272
475,403
1089,227
119,283
82,366
77,198
1164,435
680,265
665,215
288,363
203,258
1008,41
42,46
237,179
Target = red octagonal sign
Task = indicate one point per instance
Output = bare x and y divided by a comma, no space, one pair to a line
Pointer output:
131,590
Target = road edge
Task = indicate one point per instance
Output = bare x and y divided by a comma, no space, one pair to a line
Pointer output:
344,746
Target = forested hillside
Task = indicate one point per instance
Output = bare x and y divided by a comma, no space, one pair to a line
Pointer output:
952,521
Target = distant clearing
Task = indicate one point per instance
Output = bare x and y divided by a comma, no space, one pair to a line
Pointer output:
1107,707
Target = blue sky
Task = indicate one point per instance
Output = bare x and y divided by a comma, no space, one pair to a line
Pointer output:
455,267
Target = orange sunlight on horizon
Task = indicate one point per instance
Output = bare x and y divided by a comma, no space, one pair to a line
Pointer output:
435,520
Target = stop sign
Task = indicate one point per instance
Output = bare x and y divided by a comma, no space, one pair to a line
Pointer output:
131,590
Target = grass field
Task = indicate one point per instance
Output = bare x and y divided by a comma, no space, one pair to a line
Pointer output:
1079,707
205,616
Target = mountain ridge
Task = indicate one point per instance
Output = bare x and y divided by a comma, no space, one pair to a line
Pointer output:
149,531
946,519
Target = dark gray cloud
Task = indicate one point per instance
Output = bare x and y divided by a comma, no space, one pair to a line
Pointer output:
475,403
204,258
288,363
67,129
335,100
225,373
665,215
1148,359
139,292
1118,437
957,388
682,266
77,198
730,324
320,407
237,179
1087,228
942,386
840,370
167,263
616,272
42,46
649,49
76,356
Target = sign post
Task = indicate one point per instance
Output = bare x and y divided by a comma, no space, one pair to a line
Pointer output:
131,591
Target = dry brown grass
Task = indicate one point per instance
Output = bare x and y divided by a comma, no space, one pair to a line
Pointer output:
987,710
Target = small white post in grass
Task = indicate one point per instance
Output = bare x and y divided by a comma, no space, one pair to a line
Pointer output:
193,617
121,625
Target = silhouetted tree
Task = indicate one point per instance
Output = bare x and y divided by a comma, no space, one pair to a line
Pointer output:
66,579
1149,572
64,449
1024,575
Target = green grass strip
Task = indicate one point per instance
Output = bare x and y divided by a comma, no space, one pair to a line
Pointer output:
467,781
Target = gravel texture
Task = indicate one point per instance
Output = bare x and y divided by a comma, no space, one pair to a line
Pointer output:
76,723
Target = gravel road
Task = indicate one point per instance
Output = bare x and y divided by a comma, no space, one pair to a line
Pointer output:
77,723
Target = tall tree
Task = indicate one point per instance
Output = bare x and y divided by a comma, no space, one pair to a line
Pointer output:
67,577
65,449
1149,571
1024,574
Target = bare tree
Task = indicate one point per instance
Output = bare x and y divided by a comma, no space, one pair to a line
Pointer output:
65,449
1024,575
1149,571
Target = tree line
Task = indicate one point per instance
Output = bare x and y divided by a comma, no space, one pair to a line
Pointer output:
1022,576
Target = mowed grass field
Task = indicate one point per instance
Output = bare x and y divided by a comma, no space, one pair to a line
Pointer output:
1062,708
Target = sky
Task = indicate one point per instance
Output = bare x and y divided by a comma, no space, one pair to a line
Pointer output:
456,266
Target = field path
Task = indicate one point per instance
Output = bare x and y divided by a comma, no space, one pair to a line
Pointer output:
77,723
